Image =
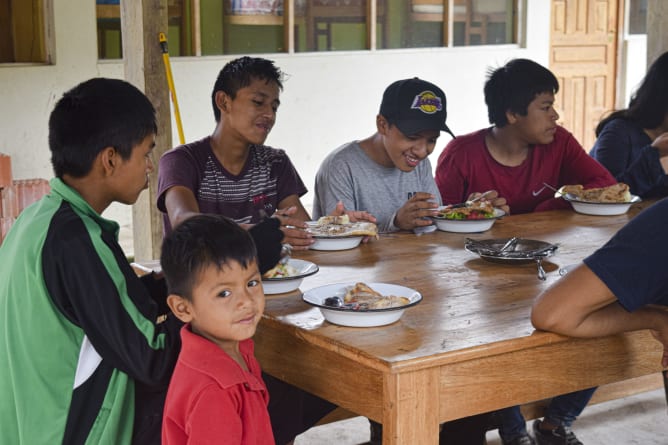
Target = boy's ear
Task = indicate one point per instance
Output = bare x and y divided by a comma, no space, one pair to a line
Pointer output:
222,100
511,117
109,158
180,307
382,125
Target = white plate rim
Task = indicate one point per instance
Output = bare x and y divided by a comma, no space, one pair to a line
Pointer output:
291,262
415,296
340,243
498,213
634,199
329,237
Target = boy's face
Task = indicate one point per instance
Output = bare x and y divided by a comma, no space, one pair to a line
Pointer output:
252,113
540,123
226,304
131,177
406,152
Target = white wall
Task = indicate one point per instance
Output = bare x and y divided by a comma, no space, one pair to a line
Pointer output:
329,99
634,66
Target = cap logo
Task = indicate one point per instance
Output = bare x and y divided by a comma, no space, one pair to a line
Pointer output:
427,102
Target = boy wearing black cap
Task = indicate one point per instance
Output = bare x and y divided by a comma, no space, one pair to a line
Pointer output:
389,175
392,163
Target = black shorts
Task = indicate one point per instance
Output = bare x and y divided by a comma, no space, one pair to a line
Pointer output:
292,410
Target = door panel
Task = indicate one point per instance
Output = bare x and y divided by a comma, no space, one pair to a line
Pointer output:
583,56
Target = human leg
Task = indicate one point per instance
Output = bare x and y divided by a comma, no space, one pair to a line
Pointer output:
292,410
465,431
512,428
564,409
149,406
555,428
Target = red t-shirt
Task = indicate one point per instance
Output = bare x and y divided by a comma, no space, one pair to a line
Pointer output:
212,400
465,166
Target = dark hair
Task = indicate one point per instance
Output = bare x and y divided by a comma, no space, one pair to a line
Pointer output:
513,86
96,114
649,104
239,73
199,242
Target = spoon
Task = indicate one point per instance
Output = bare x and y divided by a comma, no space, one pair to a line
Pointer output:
509,246
468,203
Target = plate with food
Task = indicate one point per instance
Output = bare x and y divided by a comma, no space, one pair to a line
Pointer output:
612,200
339,233
286,277
475,217
362,304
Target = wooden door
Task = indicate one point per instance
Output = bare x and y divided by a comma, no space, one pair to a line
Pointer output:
583,56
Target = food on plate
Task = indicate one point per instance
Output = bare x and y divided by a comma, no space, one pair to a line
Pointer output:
361,296
612,194
477,210
330,219
281,271
338,226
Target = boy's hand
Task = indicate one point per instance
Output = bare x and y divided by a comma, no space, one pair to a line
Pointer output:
354,215
416,211
493,197
293,229
267,236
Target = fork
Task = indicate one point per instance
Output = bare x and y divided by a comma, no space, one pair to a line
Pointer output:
471,201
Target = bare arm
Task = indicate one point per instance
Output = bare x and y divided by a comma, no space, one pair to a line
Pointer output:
181,204
413,213
581,305
293,215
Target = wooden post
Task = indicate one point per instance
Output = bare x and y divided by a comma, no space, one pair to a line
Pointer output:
657,33
141,22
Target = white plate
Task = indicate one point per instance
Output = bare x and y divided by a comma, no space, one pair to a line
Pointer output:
360,318
467,225
288,284
146,267
332,243
601,208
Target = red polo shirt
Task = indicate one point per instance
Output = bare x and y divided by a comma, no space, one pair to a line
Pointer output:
212,400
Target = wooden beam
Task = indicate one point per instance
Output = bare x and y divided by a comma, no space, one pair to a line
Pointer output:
371,23
141,23
195,27
289,26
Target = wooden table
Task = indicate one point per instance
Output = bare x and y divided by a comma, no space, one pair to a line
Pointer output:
467,348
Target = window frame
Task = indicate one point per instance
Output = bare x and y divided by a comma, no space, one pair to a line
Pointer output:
25,31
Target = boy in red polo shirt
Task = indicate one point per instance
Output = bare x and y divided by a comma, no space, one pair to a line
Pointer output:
216,394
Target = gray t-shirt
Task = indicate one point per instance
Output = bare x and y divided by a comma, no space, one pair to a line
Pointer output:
349,175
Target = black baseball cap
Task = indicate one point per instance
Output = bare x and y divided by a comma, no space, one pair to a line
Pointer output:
414,105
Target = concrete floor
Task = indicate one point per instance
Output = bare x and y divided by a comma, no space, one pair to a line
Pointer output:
641,419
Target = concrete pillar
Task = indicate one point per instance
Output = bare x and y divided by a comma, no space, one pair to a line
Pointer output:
657,31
